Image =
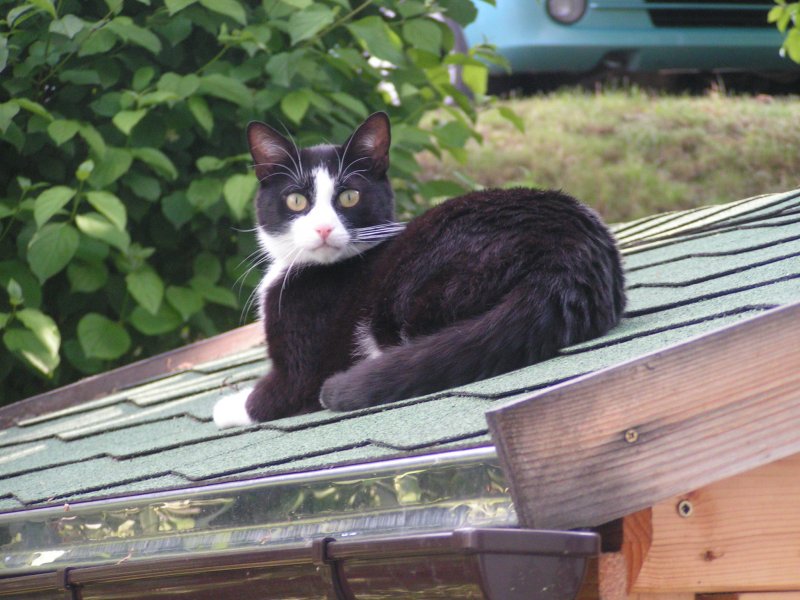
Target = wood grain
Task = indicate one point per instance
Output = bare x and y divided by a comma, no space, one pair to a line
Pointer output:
743,535
611,443
637,537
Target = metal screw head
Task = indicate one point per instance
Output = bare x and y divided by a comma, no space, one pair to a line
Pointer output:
685,508
631,436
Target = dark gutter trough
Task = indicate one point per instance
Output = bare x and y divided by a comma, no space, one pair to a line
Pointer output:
493,564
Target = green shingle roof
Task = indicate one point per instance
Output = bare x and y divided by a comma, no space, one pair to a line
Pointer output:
688,273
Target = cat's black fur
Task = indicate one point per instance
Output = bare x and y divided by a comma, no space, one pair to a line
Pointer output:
482,284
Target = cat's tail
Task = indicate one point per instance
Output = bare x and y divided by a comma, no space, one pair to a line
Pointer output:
526,327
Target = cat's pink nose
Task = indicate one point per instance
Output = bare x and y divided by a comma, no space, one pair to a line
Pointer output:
324,231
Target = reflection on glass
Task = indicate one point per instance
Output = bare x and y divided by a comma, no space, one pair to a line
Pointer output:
461,489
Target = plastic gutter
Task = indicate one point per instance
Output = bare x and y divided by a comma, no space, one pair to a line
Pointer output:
495,564
422,494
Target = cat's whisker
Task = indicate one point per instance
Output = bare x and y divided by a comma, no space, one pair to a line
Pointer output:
297,253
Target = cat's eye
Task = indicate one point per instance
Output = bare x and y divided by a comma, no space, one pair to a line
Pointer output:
296,202
349,198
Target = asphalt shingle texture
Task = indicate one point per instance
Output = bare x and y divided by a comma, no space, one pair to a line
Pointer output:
688,273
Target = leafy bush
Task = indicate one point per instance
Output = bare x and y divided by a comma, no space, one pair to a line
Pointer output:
125,184
786,16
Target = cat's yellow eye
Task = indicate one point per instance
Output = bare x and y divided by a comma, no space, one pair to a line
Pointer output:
296,202
349,198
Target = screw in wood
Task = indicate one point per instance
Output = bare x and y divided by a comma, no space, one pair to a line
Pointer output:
631,436
685,508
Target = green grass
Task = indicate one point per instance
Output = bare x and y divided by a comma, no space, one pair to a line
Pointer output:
630,154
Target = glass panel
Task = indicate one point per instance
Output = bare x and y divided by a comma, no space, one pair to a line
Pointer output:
429,493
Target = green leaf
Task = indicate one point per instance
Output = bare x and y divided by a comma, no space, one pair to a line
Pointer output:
156,160
201,112
354,105
176,209
84,170
180,86
207,266
115,6
93,139
62,130
214,293
206,164
42,326
15,296
100,42
147,289
98,227
476,78
441,188
8,110
509,115
29,288
68,25
462,12
229,8
174,6
34,107
423,34
226,88
379,40
86,276
80,76
238,192
142,77
185,300
203,193
51,248
126,29
111,207
45,5
295,104
165,320
305,24
4,319
50,202
102,338
127,119
111,166
27,345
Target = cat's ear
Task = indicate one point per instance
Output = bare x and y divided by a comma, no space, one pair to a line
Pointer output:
269,149
371,141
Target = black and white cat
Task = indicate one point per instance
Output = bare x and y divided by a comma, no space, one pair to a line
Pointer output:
360,311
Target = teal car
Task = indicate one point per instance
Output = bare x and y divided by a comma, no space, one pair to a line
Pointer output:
577,36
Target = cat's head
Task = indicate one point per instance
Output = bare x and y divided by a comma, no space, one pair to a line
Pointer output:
312,202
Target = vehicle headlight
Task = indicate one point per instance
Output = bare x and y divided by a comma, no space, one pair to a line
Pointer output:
566,11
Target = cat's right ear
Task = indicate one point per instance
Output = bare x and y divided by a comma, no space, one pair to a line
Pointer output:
268,148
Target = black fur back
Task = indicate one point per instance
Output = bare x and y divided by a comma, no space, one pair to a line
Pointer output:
481,285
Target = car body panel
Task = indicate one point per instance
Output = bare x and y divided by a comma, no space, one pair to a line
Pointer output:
622,34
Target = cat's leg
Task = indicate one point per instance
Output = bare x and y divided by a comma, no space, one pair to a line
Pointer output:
271,398
231,410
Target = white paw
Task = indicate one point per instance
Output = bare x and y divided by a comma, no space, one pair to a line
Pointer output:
230,411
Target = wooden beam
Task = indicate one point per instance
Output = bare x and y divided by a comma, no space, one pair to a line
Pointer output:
741,534
752,596
615,442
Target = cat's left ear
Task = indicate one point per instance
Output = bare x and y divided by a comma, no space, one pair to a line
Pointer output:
371,141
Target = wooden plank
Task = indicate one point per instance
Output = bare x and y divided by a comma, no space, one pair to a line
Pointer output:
742,535
637,537
615,442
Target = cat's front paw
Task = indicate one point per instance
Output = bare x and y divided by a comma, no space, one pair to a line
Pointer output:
231,410
342,392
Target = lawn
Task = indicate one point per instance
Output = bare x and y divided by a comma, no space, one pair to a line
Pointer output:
632,153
